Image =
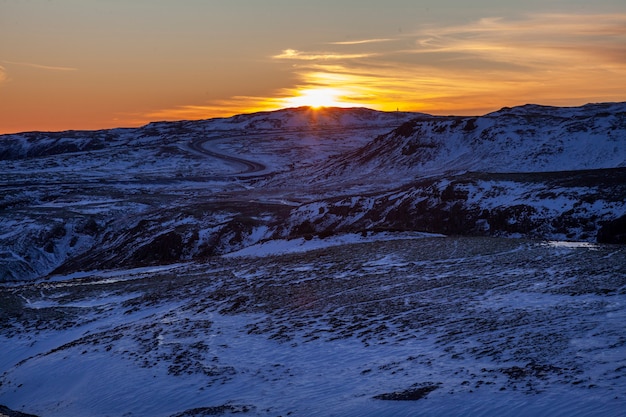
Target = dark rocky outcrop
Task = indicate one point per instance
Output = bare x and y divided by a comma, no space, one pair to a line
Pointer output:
411,394
613,231
7,412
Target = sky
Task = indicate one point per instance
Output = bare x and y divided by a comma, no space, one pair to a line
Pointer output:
94,64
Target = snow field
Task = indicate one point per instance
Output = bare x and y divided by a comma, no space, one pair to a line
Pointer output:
494,326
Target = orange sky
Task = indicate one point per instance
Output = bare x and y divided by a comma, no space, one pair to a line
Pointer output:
91,64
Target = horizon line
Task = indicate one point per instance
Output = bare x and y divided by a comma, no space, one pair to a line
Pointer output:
313,108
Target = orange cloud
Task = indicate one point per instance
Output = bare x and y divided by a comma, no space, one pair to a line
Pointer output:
362,41
215,108
535,41
473,68
39,66
312,56
477,67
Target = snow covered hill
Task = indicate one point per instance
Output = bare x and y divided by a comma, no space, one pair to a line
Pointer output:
173,191
307,118
531,171
317,262
529,138
153,194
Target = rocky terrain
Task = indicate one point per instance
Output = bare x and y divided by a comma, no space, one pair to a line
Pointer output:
397,325
330,261
186,190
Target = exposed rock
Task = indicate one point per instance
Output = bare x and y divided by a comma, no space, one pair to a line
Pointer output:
7,412
411,394
215,411
613,231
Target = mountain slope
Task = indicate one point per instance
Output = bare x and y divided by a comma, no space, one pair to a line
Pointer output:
531,171
569,205
523,139
173,191
156,193
275,264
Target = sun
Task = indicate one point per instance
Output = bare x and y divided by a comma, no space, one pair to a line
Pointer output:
316,98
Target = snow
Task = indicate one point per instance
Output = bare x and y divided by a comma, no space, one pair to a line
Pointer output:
502,339
308,325
522,140
284,246
102,300
115,275
571,245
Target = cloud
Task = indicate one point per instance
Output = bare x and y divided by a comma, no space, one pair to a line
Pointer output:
214,108
476,67
294,54
362,42
39,66
473,68
3,74
535,41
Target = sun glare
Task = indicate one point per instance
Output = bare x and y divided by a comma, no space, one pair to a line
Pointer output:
316,98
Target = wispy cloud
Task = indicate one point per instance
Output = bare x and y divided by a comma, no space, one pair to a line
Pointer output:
535,41
39,66
362,41
472,68
549,58
214,108
293,54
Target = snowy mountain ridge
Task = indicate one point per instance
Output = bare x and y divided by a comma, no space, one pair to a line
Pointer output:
306,117
528,138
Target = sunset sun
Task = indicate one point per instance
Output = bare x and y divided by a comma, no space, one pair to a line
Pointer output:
316,98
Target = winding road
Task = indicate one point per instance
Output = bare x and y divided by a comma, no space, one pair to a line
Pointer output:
251,167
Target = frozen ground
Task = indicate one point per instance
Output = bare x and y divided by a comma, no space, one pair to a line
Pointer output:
178,191
276,264
417,326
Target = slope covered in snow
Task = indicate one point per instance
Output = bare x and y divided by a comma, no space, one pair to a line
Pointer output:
123,191
174,191
401,327
532,171
523,139
317,262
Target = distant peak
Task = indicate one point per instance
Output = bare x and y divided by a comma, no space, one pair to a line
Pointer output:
528,109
